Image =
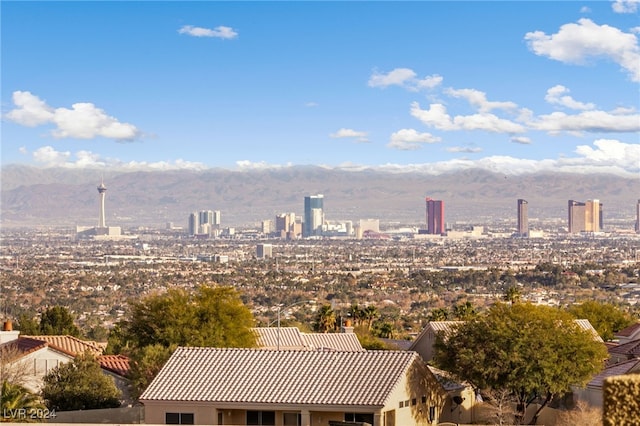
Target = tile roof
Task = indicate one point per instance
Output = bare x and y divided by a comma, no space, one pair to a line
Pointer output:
70,345
292,338
628,331
586,326
447,380
257,376
631,348
118,364
624,367
20,347
333,341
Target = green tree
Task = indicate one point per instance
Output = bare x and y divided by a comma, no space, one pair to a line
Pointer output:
604,317
439,314
146,363
513,294
80,385
27,325
15,397
326,319
370,314
58,321
213,316
535,353
464,311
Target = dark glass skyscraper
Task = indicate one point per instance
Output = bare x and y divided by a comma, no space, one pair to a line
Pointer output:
313,215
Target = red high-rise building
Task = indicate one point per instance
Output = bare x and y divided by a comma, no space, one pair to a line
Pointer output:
435,216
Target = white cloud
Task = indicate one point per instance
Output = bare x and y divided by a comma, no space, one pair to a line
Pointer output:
585,9
558,95
218,32
436,116
625,6
404,77
608,156
82,121
587,121
576,43
410,139
465,149
261,165
47,156
479,100
350,133
311,104
523,140
50,157
31,111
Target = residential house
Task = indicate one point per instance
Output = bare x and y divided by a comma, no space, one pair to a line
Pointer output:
592,392
114,366
293,388
291,338
27,359
424,343
628,334
623,352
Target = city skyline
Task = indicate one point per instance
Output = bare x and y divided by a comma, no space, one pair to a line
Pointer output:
206,84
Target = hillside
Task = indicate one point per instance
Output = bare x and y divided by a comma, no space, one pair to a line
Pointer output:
66,197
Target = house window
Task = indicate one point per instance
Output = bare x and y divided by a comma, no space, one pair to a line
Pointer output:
263,418
401,404
291,419
359,417
414,401
432,414
424,399
178,419
390,418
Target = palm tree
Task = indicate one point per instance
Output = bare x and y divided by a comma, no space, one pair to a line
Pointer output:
370,314
18,403
464,311
356,314
513,295
326,320
439,314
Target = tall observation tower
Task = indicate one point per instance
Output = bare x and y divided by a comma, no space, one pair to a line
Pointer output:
101,219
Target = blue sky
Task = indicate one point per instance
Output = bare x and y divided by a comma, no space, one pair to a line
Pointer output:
434,86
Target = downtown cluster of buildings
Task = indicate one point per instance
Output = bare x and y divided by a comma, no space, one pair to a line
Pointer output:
583,217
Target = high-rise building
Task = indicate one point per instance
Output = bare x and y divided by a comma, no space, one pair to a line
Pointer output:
313,215
206,216
435,216
217,219
194,223
585,217
592,216
523,218
638,217
102,222
264,251
577,214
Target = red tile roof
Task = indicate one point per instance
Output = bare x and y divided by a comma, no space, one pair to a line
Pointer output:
118,364
70,345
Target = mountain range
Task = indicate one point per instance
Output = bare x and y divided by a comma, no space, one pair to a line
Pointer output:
33,196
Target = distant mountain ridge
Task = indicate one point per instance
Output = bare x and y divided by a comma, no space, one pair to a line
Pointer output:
66,197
